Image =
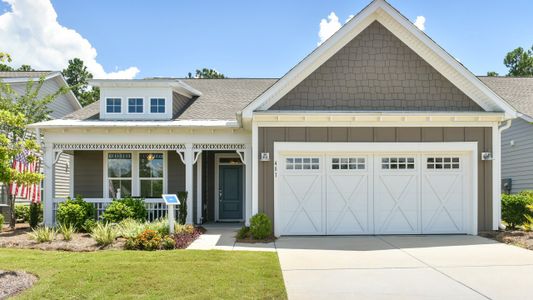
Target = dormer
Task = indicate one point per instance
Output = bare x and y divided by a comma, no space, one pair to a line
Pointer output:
143,99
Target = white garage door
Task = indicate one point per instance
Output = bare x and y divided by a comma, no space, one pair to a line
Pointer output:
372,193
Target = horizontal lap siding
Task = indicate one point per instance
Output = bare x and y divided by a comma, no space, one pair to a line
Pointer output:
269,135
516,159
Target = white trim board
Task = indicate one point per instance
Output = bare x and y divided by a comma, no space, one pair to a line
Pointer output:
308,148
401,27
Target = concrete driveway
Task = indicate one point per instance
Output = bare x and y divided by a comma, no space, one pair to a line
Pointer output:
404,267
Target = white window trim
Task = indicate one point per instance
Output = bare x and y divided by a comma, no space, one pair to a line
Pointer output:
332,148
135,180
121,106
150,106
218,156
152,178
128,106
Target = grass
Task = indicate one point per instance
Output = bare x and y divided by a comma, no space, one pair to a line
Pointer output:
148,275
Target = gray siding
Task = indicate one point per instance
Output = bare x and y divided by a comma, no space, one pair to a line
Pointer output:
517,160
179,104
176,173
88,174
376,71
62,176
267,137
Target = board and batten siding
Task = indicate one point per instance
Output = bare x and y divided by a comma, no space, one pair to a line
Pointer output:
517,159
269,135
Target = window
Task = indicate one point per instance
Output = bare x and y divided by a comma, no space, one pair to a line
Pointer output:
119,174
151,174
443,163
113,105
135,105
348,163
157,105
302,163
395,163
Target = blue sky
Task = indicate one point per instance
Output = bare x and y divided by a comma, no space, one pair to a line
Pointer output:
267,38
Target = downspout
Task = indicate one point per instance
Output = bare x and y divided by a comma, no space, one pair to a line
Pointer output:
501,128
505,126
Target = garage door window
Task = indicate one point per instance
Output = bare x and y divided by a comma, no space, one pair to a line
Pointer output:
302,163
348,163
443,163
398,163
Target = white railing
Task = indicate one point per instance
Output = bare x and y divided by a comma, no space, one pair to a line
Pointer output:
156,208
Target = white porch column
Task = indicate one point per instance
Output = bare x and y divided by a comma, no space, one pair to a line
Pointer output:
255,169
48,195
248,166
199,189
189,162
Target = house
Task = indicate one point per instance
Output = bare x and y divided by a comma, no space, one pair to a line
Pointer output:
517,141
61,106
377,131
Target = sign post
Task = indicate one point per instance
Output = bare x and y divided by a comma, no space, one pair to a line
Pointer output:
171,200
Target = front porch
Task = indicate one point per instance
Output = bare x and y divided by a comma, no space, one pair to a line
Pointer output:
217,177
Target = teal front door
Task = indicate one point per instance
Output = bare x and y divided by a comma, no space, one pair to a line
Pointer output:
230,192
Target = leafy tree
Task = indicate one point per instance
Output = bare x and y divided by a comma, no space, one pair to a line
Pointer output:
208,73
519,62
25,68
77,76
5,57
492,73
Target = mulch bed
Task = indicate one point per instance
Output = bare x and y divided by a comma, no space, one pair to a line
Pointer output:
519,238
183,240
13,282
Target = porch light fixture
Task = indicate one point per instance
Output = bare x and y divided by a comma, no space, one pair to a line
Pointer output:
486,156
265,156
150,157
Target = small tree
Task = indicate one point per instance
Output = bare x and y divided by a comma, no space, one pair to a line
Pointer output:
182,217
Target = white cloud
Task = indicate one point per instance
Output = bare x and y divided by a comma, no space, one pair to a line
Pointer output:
32,35
328,27
420,22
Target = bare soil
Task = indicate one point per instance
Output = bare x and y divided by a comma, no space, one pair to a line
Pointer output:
519,238
81,242
14,282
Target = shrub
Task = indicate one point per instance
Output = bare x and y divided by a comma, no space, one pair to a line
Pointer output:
260,226
43,234
1,222
243,233
22,212
187,228
104,234
35,214
89,225
75,212
130,228
127,208
168,243
182,217
514,208
160,225
149,240
66,230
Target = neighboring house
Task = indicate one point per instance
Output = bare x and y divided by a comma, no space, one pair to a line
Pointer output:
377,131
517,141
62,105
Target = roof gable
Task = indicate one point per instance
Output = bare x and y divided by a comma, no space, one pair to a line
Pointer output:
404,30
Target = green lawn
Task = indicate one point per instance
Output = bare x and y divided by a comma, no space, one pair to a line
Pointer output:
153,275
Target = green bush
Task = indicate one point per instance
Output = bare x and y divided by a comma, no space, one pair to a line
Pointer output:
160,225
89,225
168,243
104,234
35,214
1,222
75,212
130,228
515,209
22,213
43,234
127,208
243,233
182,217
260,226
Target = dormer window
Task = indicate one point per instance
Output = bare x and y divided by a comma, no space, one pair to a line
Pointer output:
135,105
113,105
157,105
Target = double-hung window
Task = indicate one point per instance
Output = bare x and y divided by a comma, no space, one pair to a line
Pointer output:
113,105
151,175
119,174
135,105
157,105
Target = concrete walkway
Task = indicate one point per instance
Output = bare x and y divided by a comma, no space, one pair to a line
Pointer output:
404,267
222,237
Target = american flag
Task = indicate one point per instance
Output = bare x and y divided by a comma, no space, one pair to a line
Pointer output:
29,192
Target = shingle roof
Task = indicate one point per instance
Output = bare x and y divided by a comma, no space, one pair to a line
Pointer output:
517,91
221,99
31,74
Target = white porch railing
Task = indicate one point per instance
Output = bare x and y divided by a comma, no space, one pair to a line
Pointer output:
156,208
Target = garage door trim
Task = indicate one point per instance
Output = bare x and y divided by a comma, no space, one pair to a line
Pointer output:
310,148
